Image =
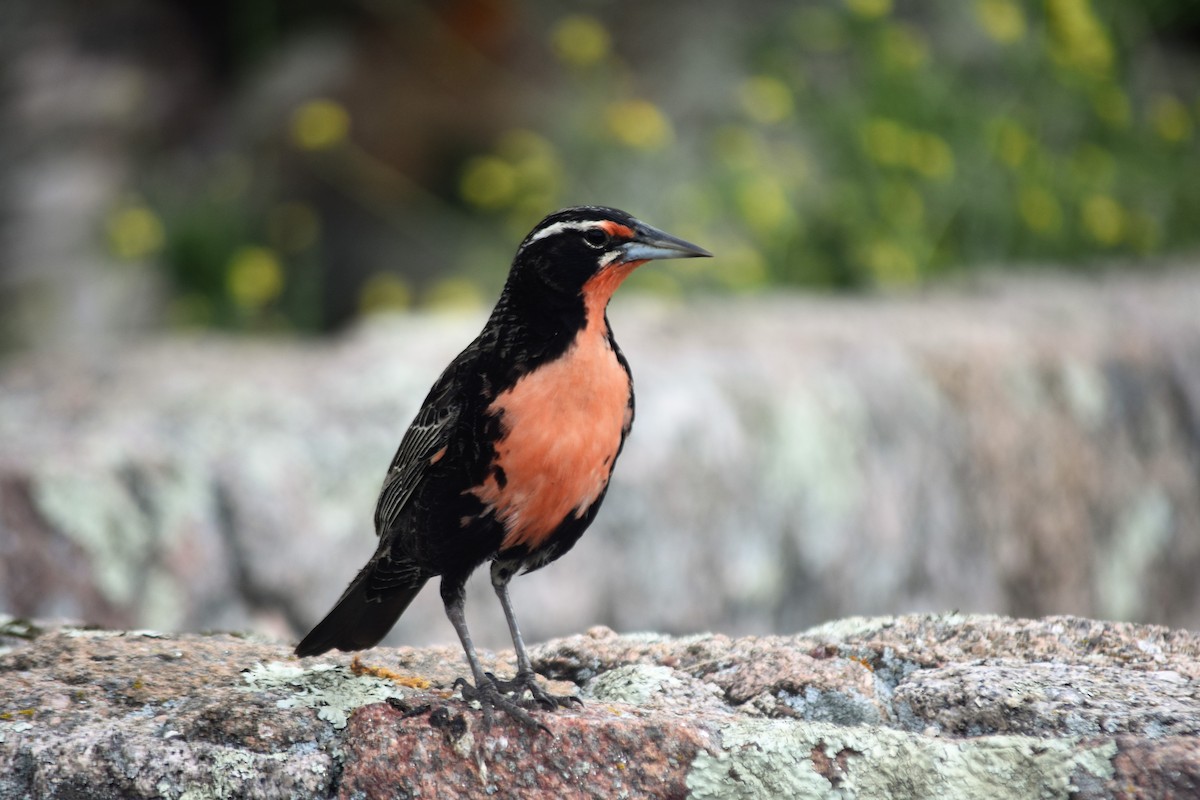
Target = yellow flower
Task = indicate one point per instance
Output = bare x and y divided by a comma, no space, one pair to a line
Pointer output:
320,124
903,48
453,294
1170,119
763,204
639,124
134,232
886,141
384,291
1078,39
254,277
765,99
1103,218
890,264
1040,210
580,40
930,155
489,183
869,9
1003,20
1012,144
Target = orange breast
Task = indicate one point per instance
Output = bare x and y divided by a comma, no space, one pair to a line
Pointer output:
562,426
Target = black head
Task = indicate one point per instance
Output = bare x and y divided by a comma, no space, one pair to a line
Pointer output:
570,247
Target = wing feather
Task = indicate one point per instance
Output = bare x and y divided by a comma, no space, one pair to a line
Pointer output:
432,430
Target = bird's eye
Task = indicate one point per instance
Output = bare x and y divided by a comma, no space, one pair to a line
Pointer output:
595,237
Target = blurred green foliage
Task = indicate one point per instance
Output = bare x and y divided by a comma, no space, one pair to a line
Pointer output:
850,144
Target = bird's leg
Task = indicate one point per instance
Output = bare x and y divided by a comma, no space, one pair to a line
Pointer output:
526,678
484,691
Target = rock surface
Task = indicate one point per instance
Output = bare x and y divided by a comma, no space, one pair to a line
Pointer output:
947,706
1029,448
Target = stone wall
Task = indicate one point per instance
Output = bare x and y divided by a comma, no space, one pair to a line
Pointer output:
1019,446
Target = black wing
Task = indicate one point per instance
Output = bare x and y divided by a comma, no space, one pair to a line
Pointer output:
429,433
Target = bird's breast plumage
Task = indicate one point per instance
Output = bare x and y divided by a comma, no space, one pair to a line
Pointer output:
562,425
561,429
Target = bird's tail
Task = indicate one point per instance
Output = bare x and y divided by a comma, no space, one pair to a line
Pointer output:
359,620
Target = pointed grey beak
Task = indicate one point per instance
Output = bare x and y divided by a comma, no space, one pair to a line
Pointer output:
651,243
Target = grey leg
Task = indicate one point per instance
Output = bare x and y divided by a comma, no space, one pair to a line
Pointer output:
454,610
500,584
526,678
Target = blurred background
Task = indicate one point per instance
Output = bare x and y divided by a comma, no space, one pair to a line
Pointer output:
290,166
240,239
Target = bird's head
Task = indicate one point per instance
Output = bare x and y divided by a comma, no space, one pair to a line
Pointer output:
588,250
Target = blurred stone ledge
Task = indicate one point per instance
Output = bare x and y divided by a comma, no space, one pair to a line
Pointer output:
949,706
1023,445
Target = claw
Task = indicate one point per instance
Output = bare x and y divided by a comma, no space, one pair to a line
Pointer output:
490,696
527,682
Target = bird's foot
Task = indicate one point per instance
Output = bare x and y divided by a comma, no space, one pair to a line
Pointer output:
490,697
527,682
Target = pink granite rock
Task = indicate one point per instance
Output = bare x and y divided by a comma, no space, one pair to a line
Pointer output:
890,707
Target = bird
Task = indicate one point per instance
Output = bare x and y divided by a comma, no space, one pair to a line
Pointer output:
510,455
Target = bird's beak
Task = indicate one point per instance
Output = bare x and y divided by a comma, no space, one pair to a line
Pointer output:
650,243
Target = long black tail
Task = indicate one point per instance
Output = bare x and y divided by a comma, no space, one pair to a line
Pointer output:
359,621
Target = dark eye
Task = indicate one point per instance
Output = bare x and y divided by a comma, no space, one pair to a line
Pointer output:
595,237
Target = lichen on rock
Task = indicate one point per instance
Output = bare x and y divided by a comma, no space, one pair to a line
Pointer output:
762,759
333,691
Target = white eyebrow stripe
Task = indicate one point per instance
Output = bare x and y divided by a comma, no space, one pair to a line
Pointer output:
558,227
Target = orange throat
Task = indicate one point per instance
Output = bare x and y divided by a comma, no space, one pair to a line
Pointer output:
563,424
599,288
